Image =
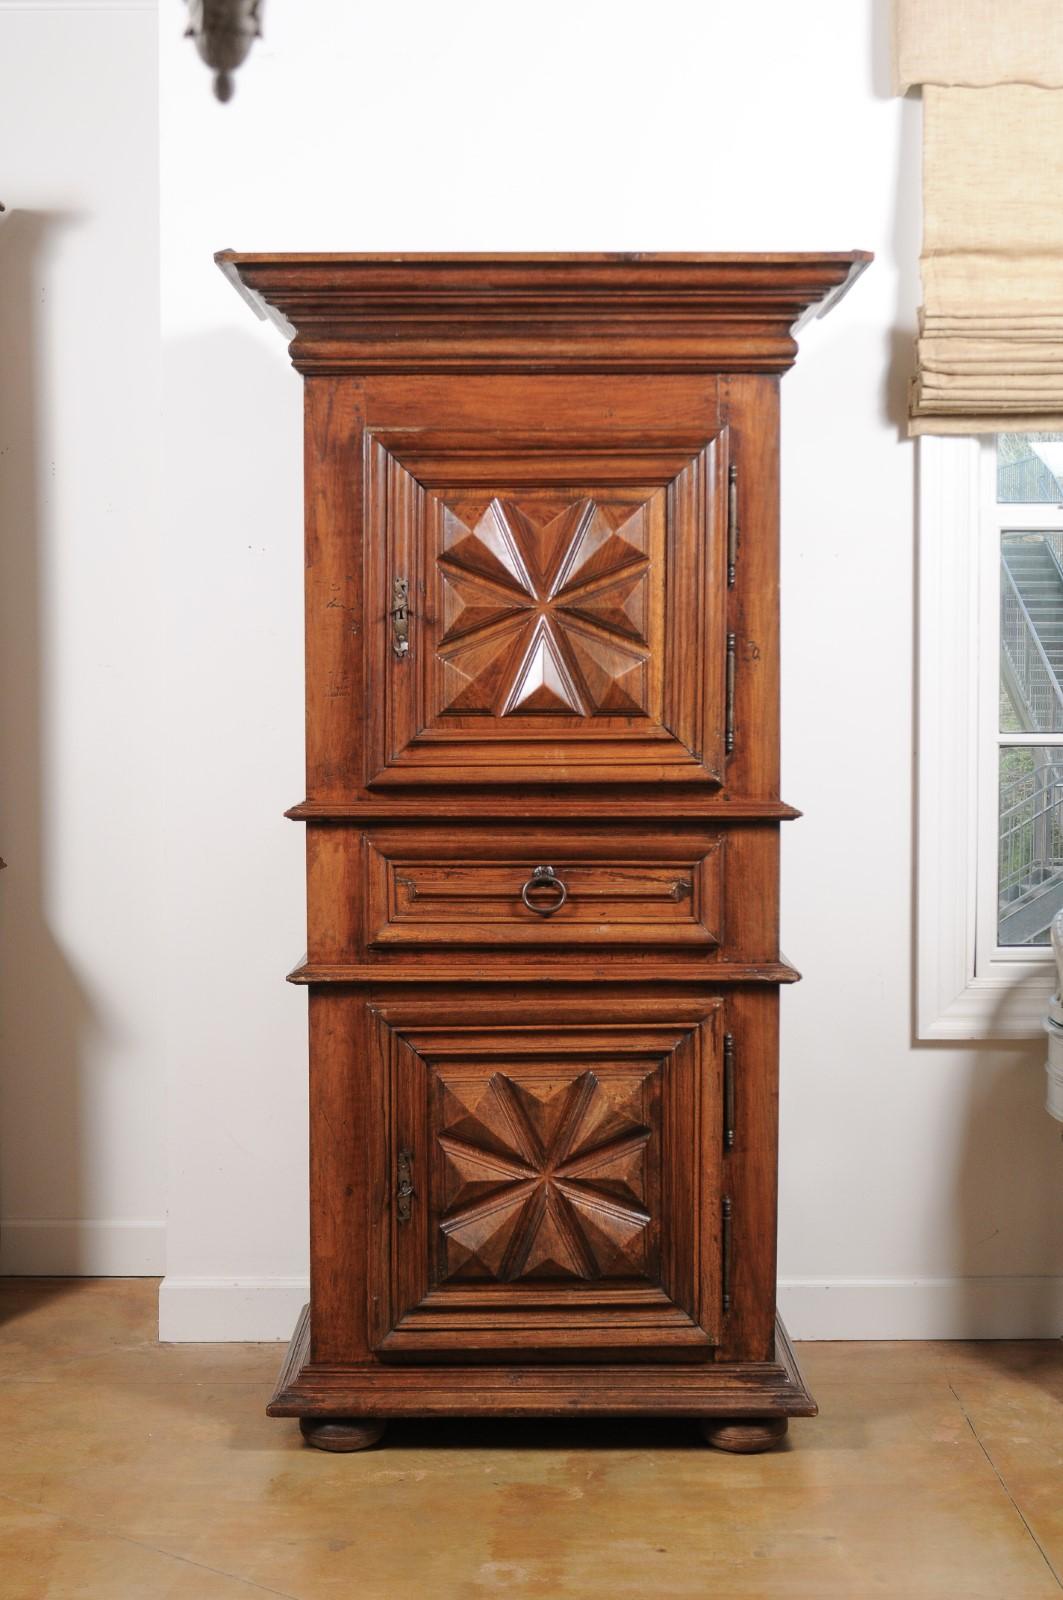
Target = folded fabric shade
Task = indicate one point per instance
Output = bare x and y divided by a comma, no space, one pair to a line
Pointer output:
990,352
978,42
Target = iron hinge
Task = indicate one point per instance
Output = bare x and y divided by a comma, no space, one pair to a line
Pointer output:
729,734
732,524
728,1091
725,1269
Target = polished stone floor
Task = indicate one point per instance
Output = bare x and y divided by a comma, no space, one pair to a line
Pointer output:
136,1471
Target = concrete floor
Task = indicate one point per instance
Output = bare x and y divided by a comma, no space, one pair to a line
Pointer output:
130,1469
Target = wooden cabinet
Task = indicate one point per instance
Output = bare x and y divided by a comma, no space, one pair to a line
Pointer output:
542,833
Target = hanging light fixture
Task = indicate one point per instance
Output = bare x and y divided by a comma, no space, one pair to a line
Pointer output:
224,31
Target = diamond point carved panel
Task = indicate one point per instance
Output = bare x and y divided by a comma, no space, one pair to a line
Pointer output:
566,613
545,607
544,1180
556,1164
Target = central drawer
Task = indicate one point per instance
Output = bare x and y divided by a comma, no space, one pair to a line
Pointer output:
535,886
395,891
618,891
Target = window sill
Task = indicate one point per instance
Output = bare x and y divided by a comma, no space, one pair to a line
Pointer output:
987,1008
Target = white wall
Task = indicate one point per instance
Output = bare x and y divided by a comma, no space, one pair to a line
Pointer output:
920,1185
81,1178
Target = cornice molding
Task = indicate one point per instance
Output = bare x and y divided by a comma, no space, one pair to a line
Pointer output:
541,313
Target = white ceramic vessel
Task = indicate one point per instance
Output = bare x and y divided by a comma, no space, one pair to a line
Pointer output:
1054,1028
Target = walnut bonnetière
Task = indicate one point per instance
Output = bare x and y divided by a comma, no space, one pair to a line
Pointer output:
542,833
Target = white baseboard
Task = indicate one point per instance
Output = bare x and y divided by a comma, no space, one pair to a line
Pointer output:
922,1308
67,1248
193,1309
841,1308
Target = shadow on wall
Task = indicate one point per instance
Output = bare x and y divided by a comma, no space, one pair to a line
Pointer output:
1009,1196
233,481
45,1015
232,518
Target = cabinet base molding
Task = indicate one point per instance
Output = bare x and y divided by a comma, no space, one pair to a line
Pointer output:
744,1404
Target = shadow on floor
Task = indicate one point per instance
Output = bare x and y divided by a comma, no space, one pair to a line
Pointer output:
28,1297
557,1434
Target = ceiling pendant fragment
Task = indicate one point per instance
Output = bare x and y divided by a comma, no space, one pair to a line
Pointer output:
224,31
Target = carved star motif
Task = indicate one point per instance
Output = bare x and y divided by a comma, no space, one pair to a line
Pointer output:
544,1180
545,613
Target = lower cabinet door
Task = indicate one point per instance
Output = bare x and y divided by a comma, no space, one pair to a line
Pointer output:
550,1178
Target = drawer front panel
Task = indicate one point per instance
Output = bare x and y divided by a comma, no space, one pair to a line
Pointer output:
413,894
613,890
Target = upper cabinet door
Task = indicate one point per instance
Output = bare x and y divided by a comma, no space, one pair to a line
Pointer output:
545,613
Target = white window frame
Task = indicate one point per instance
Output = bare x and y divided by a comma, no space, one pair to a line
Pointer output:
968,987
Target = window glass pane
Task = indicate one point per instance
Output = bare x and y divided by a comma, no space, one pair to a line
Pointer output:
1030,875
1030,468
1031,632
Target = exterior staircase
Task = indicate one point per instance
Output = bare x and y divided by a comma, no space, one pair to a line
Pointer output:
1031,804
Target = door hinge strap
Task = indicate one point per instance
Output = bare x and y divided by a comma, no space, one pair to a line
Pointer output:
732,523
404,1189
728,1091
400,617
729,733
725,1273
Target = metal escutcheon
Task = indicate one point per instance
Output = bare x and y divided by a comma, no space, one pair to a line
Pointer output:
400,617
544,878
404,1189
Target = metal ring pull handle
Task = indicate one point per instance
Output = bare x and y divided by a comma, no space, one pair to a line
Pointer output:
544,878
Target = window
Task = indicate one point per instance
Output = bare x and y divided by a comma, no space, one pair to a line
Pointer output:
990,732
1025,518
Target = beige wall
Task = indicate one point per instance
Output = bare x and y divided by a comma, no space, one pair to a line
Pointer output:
81,752
920,1184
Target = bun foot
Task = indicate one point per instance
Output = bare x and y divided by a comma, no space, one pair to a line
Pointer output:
340,1433
744,1436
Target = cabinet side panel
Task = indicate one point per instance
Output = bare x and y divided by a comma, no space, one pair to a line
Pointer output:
335,691
751,409
750,1175
346,1114
750,875
337,870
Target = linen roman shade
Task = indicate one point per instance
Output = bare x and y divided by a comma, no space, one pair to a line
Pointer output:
990,351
